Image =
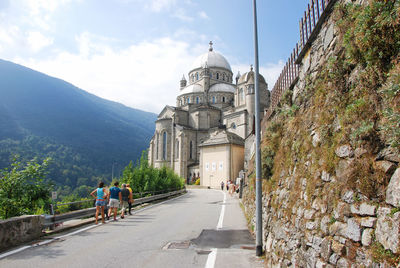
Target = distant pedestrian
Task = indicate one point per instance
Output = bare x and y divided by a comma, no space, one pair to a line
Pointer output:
227,185
126,198
115,200
130,202
100,194
222,185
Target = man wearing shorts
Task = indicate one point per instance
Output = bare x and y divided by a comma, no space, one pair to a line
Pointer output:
115,199
126,199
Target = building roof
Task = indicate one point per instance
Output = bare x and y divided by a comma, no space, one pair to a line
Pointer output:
222,136
222,87
193,88
249,78
211,59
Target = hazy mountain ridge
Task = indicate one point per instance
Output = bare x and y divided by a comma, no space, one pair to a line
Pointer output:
54,112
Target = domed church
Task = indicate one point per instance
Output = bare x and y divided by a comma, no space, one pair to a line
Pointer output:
210,133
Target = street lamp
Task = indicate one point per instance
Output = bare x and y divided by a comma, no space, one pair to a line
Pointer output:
258,152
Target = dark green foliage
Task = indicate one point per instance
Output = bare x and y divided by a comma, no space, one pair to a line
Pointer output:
85,135
23,190
143,178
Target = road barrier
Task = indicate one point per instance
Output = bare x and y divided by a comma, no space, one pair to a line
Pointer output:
51,220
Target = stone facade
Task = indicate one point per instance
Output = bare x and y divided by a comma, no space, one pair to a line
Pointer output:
310,230
210,102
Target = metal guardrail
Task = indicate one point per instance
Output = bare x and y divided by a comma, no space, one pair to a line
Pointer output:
50,220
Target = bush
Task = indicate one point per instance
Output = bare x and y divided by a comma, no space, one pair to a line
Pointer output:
197,182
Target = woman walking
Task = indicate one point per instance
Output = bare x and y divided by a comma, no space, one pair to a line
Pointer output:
100,196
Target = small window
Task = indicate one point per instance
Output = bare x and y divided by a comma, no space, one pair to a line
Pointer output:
217,75
197,100
233,126
191,150
213,99
164,145
223,99
197,76
223,76
210,74
188,100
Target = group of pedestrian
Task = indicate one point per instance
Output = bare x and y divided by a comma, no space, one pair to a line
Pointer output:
230,186
114,197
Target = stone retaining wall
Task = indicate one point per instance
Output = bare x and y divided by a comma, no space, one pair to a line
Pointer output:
18,230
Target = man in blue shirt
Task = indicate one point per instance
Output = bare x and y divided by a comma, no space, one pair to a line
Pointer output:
115,199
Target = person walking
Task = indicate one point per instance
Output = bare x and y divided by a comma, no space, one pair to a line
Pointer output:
131,201
115,200
222,185
100,194
126,198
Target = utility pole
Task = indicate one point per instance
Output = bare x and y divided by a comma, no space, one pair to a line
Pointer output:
259,230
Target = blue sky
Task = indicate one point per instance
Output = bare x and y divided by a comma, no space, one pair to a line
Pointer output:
135,51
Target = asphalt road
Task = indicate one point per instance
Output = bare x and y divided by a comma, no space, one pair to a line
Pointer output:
187,231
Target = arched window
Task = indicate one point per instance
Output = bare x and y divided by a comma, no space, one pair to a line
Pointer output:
223,76
177,149
223,99
213,99
197,100
197,76
241,95
188,100
158,139
233,126
217,75
192,78
210,74
164,149
191,150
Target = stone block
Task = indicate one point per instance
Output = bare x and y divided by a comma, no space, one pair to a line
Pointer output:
326,248
348,196
324,225
18,230
342,263
325,176
316,139
336,228
366,238
309,214
344,151
368,222
329,35
334,258
338,248
320,264
352,230
311,225
386,166
393,189
342,210
367,210
388,154
387,231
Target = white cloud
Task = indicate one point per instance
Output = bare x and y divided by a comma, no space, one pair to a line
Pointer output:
145,75
38,41
203,15
160,5
181,14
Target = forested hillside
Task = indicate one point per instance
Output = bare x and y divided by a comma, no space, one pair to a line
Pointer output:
86,136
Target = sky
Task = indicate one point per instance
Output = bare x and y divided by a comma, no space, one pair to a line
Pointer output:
136,51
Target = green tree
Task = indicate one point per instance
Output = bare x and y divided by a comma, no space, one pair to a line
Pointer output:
23,189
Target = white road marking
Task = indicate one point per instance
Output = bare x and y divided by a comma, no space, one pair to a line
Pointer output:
211,258
221,216
6,254
213,254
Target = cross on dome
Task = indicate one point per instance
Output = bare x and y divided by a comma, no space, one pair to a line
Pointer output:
211,48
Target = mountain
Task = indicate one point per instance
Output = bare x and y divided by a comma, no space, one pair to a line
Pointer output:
85,135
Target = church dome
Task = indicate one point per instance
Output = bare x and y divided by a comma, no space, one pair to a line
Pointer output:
211,59
221,87
249,78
